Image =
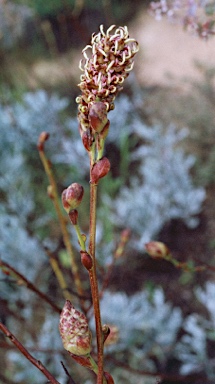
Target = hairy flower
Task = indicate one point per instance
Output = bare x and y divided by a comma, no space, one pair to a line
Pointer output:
74,331
106,64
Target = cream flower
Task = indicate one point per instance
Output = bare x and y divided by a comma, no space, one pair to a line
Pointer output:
106,64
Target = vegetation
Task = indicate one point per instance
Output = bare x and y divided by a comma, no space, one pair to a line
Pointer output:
155,182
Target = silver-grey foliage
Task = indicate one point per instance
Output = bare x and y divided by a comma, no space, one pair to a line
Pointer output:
161,188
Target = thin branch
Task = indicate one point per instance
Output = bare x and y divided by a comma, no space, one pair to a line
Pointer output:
53,193
22,279
50,351
59,275
94,283
70,379
124,237
28,356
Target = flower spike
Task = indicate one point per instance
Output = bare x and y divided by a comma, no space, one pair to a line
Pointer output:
106,64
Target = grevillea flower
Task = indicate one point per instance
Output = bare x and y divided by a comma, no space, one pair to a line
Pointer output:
106,64
74,331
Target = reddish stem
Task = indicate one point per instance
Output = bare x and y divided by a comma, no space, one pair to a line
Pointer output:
94,283
29,285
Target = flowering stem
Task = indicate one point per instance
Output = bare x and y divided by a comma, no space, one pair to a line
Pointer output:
94,282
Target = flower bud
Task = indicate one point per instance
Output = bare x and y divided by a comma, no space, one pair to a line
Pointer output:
87,138
44,136
73,215
113,336
50,192
72,196
74,331
98,116
157,249
105,332
100,169
86,260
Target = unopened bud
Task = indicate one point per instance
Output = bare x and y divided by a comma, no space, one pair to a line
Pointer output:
100,169
113,336
87,138
50,192
98,116
157,249
105,332
72,197
42,138
125,234
86,260
74,331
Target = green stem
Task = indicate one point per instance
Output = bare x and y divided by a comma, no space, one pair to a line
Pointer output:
100,148
94,368
80,237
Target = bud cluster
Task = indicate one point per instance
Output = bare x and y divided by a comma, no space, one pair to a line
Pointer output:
106,64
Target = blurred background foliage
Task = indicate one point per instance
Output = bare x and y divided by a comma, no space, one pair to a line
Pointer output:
161,186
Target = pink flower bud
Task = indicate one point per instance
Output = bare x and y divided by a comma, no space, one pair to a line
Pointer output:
105,332
87,139
74,331
44,136
98,116
157,249
100,169
86,260
73,215
113,336
50,192
72,196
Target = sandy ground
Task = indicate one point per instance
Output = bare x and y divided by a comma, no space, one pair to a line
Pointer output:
167,51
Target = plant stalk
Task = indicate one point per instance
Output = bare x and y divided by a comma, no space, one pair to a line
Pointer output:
94,283
62,222
28,356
